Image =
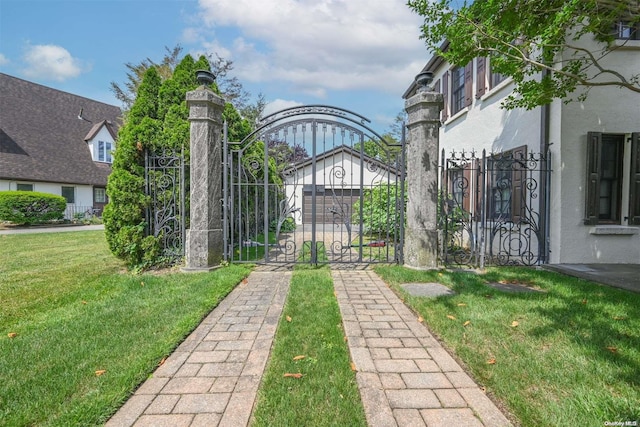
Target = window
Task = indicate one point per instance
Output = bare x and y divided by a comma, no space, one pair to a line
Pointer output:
69,193
457,90
495,79
104,151
507,174
24,187
606,177
99,195
625,30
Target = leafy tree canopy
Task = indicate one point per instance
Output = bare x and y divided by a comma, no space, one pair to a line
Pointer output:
524,38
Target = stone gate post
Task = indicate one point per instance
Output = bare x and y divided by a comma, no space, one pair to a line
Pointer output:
204,245
421,236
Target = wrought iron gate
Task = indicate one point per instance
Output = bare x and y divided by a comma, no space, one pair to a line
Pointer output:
494,208
166,214
313,184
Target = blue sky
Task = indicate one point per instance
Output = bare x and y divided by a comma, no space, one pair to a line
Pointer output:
356,54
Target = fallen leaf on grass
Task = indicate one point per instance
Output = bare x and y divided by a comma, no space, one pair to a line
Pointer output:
619,318
164,359
451,317
288,318
584,301
612,349
515,323
12,334
461,304
298,375
299,357
345,338
100,372
353,367
420,319
84,302
467,323
141,283
245,281
491,361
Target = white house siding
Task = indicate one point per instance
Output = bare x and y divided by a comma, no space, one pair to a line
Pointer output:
83,193
608,110
347,177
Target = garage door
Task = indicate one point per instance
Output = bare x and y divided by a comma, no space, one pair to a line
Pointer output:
329,203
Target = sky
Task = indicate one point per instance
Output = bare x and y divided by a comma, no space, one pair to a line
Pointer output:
360,55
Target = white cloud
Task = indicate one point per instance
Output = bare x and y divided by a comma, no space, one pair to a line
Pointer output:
51,62
3,60
321,45
279,104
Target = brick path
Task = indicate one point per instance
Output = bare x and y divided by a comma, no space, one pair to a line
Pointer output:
405,376
213,376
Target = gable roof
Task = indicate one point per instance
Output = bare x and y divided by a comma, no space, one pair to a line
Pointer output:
340,149
42,137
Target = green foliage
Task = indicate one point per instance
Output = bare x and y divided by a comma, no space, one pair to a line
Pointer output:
379,209
158,119
30,207
387,152
523,38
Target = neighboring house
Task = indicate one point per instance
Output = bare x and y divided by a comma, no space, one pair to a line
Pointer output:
340,173
55,142
593,198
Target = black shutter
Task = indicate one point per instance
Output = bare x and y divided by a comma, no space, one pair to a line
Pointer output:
468,84
634,182
592,195
518,178
481,76
445,93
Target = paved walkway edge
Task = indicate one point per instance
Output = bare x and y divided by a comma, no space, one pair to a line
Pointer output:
212,378
406,378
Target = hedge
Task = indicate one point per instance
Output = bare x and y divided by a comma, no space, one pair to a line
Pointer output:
30,207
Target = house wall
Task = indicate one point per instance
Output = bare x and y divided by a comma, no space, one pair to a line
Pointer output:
609,110
83,193
340,171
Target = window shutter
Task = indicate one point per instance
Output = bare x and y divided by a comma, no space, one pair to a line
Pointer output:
468,84
592,196
634,182
518,178
481,67
445,93
436,87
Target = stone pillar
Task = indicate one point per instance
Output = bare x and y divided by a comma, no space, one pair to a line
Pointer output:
421,236
204,246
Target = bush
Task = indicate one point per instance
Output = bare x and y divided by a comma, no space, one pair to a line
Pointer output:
30,207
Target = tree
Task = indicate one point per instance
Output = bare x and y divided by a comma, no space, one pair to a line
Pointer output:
386,151
527,38
229,87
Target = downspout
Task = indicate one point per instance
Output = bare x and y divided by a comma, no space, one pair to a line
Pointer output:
545,178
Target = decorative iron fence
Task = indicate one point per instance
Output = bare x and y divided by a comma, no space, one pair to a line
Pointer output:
494,208
166,214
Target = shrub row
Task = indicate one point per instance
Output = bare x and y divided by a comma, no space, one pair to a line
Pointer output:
30,207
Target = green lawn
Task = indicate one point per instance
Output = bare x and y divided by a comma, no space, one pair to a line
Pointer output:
572,357
326,394
76,311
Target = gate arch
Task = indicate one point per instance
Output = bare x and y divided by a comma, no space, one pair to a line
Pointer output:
313,184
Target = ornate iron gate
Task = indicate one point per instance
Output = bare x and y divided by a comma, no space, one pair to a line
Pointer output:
493,208
166,214
313,184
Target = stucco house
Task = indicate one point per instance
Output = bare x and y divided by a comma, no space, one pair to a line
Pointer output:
56,142
589,203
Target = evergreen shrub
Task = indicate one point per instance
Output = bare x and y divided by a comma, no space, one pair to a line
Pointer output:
30,207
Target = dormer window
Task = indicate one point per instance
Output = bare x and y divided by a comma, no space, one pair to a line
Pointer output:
104,151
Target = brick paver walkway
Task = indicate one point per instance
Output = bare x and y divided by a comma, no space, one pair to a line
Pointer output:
405,376
213,376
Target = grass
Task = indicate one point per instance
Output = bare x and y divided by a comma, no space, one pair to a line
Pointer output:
572,358
76,311
311,326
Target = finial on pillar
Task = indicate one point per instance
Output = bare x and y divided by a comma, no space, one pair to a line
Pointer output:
423,80
205,77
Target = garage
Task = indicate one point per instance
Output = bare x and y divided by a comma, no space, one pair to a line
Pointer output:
330,203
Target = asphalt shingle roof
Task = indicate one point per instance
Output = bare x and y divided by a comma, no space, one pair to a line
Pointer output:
42,138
